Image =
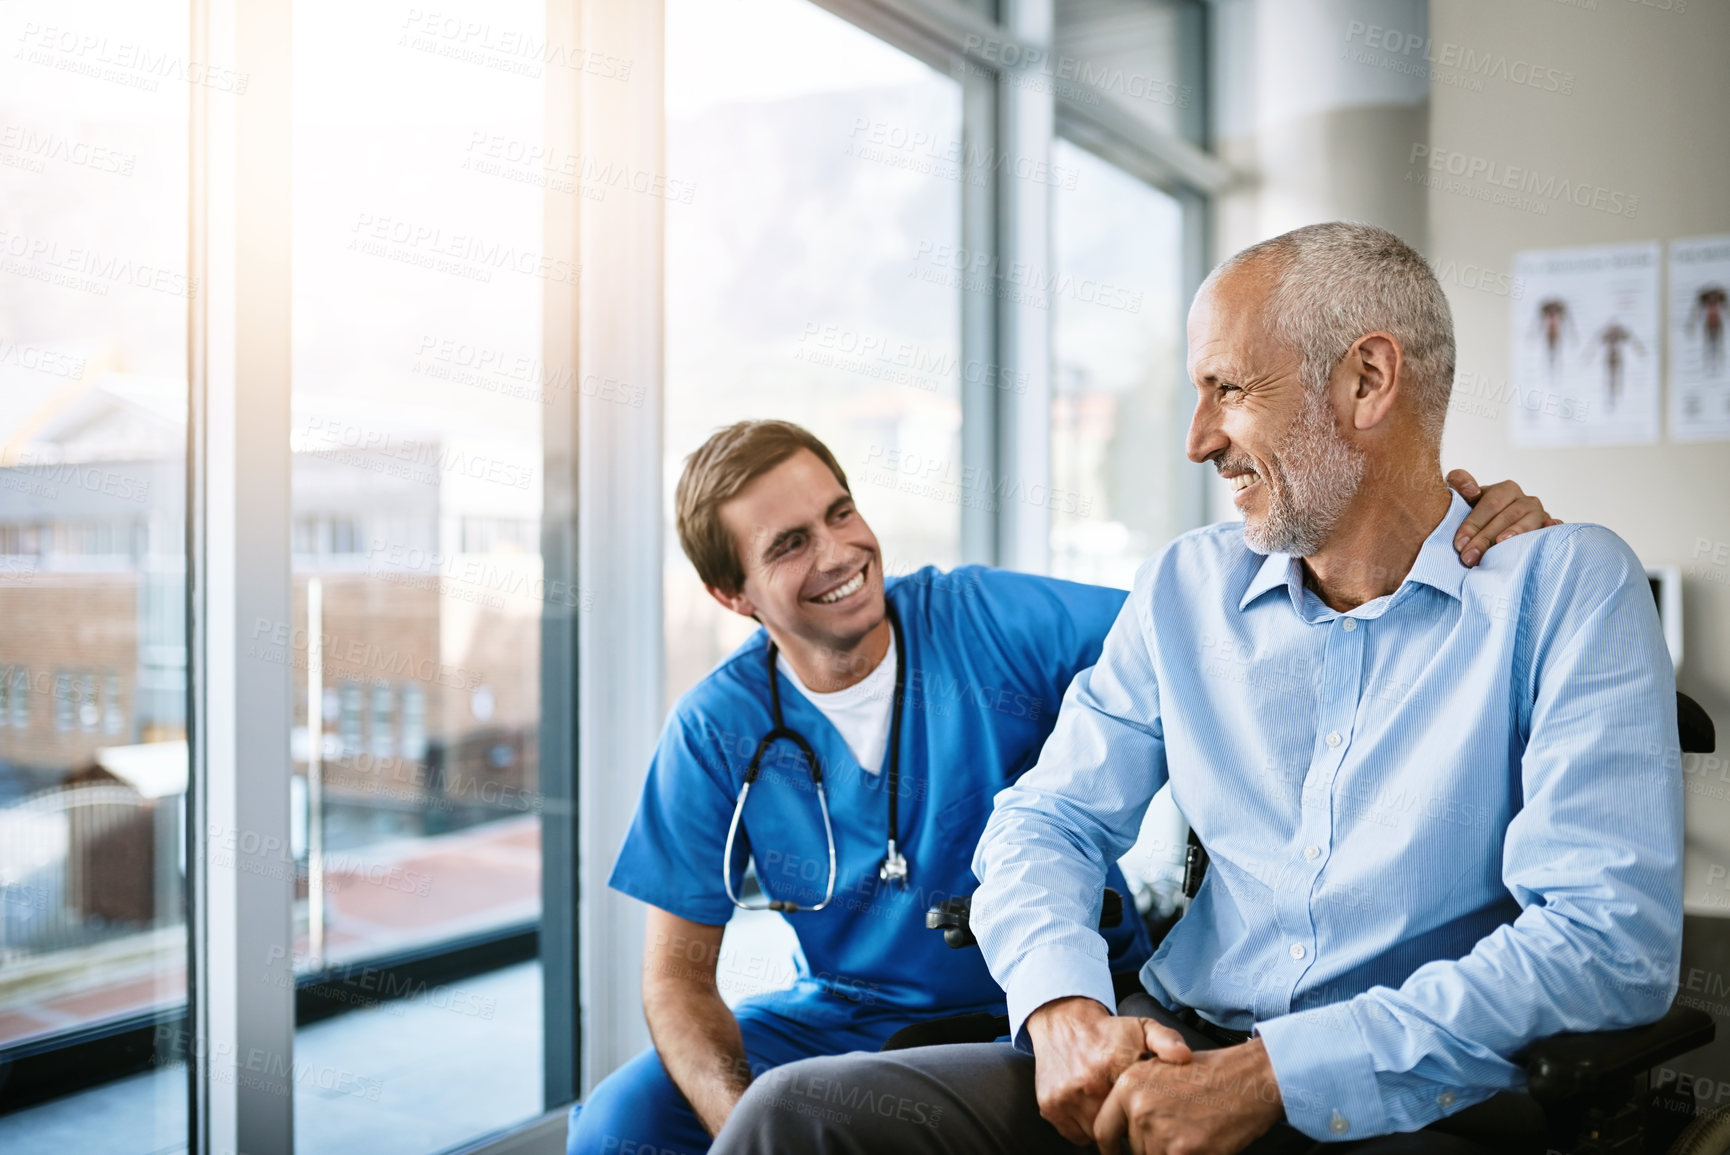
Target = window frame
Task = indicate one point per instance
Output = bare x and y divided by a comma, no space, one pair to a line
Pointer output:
1007,434
602,470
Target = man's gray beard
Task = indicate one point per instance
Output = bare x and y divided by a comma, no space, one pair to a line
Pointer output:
1319,473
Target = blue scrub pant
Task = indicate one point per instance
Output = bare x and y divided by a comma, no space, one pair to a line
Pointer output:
637,1110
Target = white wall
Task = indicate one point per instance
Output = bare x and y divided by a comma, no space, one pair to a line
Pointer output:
1646,117
1315,134
1320,104
1311,133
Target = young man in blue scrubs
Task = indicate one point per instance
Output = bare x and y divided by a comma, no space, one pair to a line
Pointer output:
983,657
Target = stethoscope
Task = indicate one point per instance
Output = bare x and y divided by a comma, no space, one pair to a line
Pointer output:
894,868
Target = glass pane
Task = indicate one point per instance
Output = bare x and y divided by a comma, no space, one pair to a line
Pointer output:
1119,411
1141,57
812,274
1120,404
418,399
94,101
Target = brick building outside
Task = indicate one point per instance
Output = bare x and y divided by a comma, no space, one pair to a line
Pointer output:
429,576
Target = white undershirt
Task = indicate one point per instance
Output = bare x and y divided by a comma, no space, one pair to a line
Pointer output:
860,712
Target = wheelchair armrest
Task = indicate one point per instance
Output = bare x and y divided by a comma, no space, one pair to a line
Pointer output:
951,917
1567,1066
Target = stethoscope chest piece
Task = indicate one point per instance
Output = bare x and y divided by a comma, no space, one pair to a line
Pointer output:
894,868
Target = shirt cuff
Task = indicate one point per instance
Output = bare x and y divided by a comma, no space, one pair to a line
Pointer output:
1325,1074
1049,973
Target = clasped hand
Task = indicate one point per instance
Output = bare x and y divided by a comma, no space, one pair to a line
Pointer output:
1125,1082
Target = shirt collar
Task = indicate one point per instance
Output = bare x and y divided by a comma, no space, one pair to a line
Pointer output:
1437,565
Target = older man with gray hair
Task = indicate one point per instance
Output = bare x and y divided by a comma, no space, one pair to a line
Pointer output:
1440,802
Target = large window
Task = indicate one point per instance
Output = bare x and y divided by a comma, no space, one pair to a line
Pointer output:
1120,403
417,414
93,764
427,211
812,272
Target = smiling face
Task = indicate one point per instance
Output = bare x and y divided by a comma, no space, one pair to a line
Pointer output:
813,569
1275,441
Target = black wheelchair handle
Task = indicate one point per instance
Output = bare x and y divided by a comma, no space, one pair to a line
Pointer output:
952,914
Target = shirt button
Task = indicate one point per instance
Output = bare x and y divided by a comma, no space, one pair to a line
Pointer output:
1338,1124
1297,950
1446,1098
1348,624
1312,852
1333,737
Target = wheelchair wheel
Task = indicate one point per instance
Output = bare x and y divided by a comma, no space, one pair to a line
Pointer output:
1707,1135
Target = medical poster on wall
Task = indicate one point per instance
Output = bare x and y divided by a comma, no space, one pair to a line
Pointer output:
1699,361
1586,341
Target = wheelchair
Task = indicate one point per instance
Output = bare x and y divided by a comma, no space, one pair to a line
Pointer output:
1587,1094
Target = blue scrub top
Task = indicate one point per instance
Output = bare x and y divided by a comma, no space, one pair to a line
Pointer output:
988,656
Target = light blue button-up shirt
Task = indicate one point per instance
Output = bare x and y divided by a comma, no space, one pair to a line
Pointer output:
1442,825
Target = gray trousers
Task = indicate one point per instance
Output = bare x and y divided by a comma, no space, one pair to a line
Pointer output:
961,1100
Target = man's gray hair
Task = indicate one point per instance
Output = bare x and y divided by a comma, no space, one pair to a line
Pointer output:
1334,282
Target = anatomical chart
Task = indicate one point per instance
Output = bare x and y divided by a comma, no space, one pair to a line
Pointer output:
1586,344
1699,318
